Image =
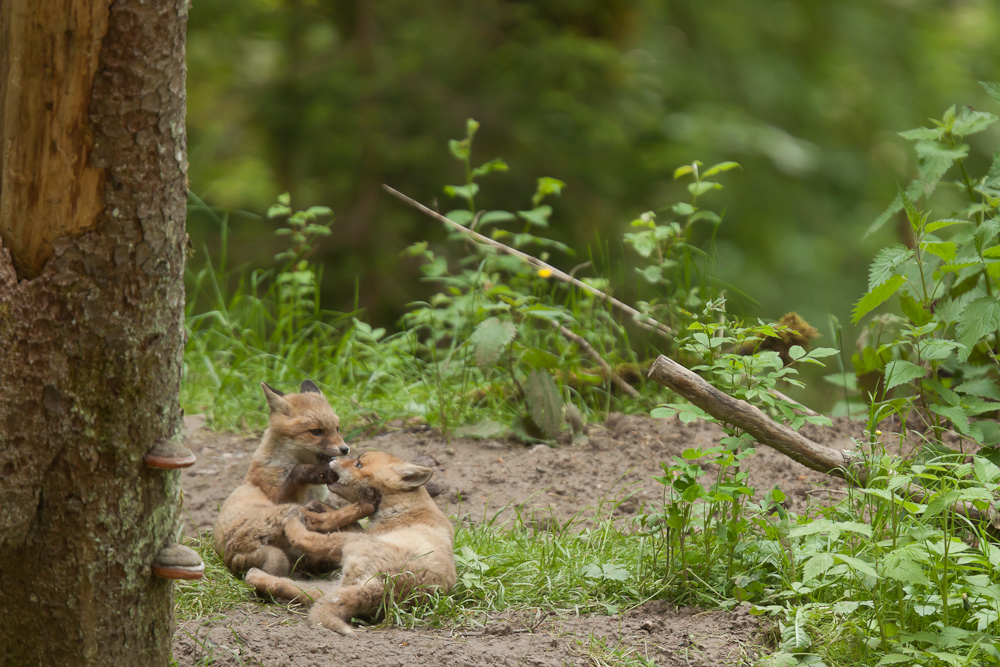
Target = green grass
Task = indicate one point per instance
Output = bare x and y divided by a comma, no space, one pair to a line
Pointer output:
217,592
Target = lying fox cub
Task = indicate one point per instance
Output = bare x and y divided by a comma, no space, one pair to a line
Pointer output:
406,547
287,470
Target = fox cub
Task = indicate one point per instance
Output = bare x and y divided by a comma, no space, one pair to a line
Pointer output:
405,548
287,470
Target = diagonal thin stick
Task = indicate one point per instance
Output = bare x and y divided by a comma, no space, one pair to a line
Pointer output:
650,323
605,366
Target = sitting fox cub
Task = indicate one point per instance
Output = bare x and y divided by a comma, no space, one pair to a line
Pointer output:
293,458
406,547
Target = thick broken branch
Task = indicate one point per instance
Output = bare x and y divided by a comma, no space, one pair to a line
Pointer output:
749,418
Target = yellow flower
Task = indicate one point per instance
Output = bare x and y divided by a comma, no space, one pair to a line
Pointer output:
544,273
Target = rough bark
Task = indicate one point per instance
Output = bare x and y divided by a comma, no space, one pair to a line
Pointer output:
92,208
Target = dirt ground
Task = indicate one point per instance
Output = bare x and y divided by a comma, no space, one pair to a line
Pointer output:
478,480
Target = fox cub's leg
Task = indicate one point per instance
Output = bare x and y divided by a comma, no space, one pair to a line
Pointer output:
269,559
335,610
339,519
318,545
280,587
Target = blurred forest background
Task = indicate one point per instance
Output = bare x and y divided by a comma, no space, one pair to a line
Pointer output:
328,99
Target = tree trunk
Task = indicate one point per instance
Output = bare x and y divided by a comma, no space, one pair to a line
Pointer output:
92,208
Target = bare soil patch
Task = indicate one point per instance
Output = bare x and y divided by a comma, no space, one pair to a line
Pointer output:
482,480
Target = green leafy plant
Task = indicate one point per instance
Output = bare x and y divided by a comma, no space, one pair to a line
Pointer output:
939,356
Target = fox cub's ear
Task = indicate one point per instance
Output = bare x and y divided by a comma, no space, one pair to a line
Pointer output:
411,475
275,400
308,387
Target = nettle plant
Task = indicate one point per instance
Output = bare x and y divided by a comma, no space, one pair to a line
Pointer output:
937,362
503,332
679,270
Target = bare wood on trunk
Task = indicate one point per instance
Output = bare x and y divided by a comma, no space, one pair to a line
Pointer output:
92,208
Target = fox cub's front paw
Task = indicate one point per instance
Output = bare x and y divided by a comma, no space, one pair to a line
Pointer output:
319,507
369,499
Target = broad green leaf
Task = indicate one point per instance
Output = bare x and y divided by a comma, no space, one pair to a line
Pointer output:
895,659
936,159
900,371
945,222
816,566
471,127
811,528
954,413
876,297
652,273
857,565
285,199
319,210
923,133
466,192
462,216
546,186
490,338
538,216
643,242
683,171
980,318
496,164
986,232
719,168
544,402
983,387
496,217
711,216
800,639
970,121
701,187
945,251
904,570
941,503
914,310
278,210
321,230
884,265
460,149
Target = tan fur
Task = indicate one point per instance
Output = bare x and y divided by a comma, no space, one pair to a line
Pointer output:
406,548
289,468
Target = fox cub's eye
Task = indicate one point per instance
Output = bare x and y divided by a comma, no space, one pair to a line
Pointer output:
317,431
357,464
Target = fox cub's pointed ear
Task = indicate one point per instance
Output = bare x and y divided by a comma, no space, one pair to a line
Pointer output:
309,387
411,475
275,400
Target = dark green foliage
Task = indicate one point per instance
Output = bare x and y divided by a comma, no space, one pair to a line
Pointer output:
328,100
